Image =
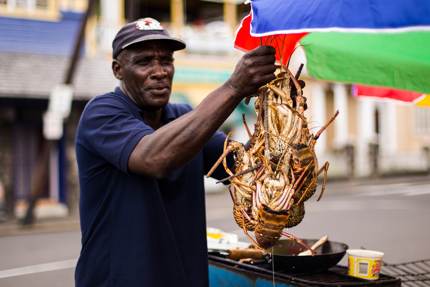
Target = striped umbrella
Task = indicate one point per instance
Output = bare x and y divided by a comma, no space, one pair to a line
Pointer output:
382,43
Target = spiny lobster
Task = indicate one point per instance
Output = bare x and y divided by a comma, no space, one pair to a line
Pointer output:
278,171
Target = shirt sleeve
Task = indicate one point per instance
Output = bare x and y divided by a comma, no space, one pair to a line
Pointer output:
110,131
212,151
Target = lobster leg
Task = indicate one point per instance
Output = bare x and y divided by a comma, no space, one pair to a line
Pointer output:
255,202
259,173
308,188
246,231
246,126
299,241
233,196
245,215
254,242
266,125
298,187
260,195
227,150
280,203
279,92
324,169
240,173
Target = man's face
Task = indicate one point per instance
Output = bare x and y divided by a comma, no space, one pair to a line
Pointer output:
146,71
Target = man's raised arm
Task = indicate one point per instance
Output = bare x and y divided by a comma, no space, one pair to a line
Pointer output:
177,142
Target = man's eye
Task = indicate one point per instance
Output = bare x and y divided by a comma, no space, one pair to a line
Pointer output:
166,61
142,62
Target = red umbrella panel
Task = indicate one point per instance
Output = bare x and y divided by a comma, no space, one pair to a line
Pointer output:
418,99
284,44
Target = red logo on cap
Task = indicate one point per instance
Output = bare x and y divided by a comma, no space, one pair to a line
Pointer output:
148,24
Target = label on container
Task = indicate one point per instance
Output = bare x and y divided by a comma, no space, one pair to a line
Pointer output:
364,267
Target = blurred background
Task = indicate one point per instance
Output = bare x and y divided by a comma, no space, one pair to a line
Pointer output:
378,146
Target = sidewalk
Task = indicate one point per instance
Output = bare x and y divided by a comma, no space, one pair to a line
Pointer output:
14,228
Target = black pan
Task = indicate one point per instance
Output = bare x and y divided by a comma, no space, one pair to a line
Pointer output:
285,259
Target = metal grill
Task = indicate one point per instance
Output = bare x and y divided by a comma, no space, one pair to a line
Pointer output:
414,273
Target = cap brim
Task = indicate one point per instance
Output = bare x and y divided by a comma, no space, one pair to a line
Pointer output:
175,44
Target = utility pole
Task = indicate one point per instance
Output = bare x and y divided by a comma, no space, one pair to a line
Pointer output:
133,10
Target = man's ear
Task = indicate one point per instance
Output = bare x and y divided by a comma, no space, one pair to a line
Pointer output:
117,69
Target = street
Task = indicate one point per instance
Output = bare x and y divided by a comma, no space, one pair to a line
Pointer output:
390,215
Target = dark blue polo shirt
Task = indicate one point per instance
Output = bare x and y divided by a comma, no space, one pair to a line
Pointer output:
137,230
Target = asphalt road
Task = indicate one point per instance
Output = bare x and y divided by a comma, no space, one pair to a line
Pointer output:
390,215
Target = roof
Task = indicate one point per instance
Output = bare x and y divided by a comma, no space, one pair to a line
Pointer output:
33,36
34,76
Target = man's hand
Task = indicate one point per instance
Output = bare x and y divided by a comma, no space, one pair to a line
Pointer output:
255,68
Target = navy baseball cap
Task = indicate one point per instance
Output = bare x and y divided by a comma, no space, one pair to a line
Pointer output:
142,30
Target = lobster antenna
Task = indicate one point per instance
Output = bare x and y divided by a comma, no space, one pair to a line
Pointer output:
299,71
246,126
240,173
266,125
227,150
282,47
299,45
317,135
279,50
281,56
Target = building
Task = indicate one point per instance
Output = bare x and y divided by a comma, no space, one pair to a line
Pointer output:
370,137
36,39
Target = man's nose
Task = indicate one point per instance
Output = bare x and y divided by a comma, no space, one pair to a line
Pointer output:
158,71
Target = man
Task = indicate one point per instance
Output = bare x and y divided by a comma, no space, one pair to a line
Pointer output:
141,163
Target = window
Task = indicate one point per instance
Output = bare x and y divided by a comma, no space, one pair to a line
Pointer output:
42,4
422,121
22,4
40,9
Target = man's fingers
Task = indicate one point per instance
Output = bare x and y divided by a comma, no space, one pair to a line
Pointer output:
263,50
265,79
266,69
261,79
271,68
262,60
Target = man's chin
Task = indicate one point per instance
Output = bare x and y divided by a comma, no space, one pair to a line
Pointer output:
158,103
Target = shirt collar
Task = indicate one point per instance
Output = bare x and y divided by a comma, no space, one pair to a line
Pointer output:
135,108
168,113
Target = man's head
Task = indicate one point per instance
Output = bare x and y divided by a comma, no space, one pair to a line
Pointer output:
143,62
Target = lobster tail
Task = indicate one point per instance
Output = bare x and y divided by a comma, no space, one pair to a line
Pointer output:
270,225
